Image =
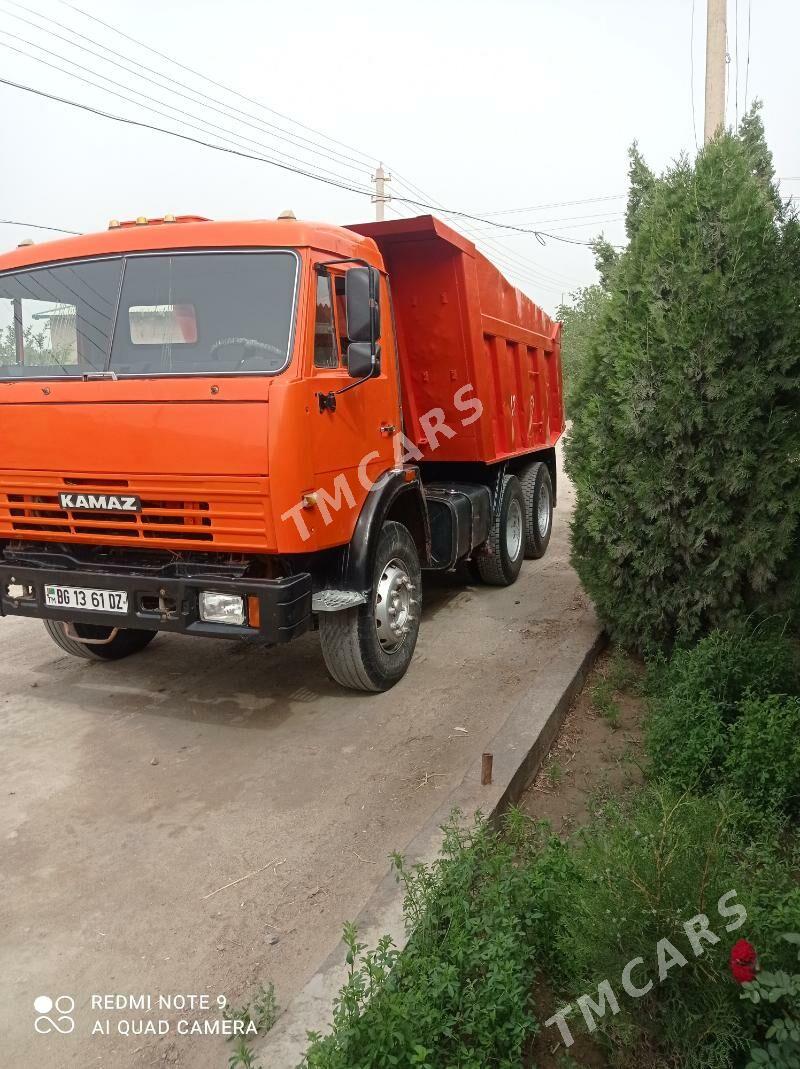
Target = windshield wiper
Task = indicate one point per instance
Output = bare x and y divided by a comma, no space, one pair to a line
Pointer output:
91,375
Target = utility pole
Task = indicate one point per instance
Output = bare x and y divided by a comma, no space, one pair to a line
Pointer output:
381,196
715,68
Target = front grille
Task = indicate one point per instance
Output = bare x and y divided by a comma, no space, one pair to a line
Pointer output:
213,512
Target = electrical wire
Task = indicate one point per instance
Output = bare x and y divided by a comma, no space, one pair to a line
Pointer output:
39,226
592,217
504,250
558,204
205,100
207,127
500,251
540,235
372,160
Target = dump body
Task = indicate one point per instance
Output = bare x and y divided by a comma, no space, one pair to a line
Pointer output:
460,323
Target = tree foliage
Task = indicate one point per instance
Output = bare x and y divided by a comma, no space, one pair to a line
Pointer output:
685,448
578,319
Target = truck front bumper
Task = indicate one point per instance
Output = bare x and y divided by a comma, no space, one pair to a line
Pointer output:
156,603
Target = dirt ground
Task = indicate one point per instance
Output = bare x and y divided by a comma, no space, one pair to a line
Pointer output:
203,817
595,756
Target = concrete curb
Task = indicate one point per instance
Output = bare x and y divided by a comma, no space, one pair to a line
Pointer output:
519,747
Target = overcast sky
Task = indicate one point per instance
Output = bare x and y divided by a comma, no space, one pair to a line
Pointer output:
483,106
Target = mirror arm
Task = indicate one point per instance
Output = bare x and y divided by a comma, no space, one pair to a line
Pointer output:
322,267
352,385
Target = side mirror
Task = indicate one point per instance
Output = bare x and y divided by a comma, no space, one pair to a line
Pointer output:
361,361
362,299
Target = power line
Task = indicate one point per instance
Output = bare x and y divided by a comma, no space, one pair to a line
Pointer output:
592,217
207,127
508,254
211,102
540,235
558,204
219,85
601,223
175,133
501,252
39,226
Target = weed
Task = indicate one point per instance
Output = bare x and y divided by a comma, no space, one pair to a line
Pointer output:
604,704
623,673
555,773
242,1056
261,1010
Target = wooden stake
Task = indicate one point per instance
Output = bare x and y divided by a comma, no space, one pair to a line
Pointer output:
486,769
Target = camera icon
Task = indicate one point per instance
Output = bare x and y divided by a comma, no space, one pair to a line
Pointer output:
54,1015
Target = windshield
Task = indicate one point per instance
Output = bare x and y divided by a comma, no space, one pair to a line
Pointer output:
188,313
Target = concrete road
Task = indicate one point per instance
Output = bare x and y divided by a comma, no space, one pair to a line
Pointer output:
204,816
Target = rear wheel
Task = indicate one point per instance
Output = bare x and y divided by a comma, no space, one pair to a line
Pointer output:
370,647
97,643
537,488
505,546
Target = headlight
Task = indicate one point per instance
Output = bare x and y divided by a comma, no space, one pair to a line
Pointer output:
221,608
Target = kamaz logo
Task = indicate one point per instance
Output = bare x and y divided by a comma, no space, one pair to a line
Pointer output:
100,502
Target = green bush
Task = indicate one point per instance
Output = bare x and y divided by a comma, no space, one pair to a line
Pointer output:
641,870
459,994
712,715
685,446
777,994
763,758
578,320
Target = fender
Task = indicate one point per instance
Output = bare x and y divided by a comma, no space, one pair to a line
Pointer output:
398,489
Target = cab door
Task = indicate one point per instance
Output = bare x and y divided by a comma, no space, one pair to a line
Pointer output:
352,432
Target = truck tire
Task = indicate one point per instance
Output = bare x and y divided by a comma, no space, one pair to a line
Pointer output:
501,565
126,641
537,488
370,647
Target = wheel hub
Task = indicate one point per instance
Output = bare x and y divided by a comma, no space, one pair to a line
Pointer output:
514,529
543,511
394,605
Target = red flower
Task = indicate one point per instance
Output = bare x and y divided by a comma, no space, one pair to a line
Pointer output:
744,961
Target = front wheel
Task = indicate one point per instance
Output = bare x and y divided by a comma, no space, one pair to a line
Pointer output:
97,643
370,647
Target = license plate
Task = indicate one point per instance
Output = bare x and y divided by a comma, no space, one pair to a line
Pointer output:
81,597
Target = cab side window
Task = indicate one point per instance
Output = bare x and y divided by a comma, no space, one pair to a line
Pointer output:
341,313
326,351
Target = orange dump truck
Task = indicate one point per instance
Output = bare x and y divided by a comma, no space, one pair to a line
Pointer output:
255,429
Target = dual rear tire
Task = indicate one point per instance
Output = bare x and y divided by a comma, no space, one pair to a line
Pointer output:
521,527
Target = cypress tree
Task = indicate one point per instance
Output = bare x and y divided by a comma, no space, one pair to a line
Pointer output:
685,446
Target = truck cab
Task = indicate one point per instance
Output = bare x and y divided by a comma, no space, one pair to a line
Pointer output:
204,428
